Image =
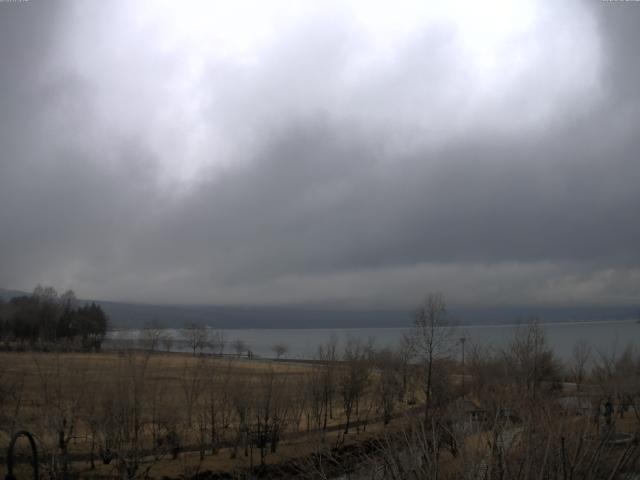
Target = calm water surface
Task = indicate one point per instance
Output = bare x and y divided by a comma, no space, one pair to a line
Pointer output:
606,337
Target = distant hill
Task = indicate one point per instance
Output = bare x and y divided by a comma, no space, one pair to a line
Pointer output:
133,315
127,315
9,294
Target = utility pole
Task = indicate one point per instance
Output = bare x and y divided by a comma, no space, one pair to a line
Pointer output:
462,340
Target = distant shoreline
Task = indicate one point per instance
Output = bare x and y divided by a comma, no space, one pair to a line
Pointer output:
408,327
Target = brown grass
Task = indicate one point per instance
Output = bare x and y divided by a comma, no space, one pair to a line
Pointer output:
53,385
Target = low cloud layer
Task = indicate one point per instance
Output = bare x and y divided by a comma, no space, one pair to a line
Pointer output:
349,154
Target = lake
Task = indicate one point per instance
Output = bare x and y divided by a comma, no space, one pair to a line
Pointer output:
606,337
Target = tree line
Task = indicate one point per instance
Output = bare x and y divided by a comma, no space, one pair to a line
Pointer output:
45,319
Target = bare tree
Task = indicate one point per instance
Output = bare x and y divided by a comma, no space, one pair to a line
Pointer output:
239,346
191,382
579,360
530,357
432,340
68,300
618,376
279,349
195,336
11,399
404,354
328,356
388,383
217,402
61,395
242,406
315,394
353,378
217,342
150,336
299,400
486,369
270,412
167,342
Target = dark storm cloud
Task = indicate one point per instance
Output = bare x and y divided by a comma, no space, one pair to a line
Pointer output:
321,201
366,188
64,199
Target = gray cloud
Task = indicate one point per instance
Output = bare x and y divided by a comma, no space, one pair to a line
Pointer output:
321,168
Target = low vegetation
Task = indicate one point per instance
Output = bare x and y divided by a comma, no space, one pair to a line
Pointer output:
416,411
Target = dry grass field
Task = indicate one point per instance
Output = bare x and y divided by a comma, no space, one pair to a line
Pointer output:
175,414
134,414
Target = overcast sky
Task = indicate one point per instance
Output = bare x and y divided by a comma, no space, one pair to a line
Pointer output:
339,153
